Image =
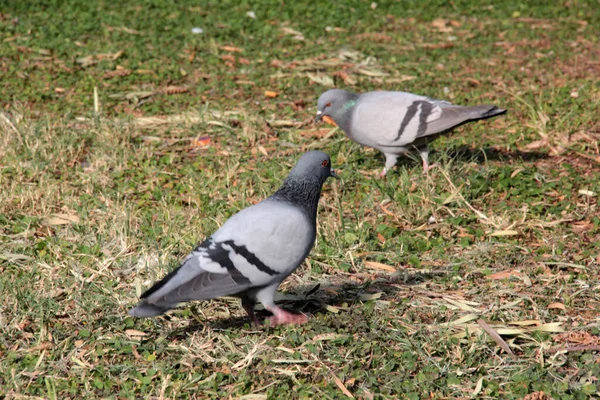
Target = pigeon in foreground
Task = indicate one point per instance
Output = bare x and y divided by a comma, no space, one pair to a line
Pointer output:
396,122
253,252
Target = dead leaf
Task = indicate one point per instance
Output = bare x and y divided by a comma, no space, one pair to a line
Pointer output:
371,72
348,80
262,150
271,94
537,144
61,219
504,233
380,266
201,143
441,25
95,58
402,78
123,29
526,322
118,72
577,337
232,49
131,95
586,192
436,45
283,122
339,384
557,305
503,274
478,388
462,304
134,333
370,296
516,172
174,90
316,133
496,336
332,309
328,336
321,79
537,396
292,32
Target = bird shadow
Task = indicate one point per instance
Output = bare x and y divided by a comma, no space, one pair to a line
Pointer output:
466,154
316,298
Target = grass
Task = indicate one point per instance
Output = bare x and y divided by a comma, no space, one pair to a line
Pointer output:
480,280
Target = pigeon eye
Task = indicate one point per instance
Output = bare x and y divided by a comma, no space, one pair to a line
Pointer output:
328,105
325,163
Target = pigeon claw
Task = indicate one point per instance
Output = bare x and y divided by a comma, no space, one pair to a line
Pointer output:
282,317
427,168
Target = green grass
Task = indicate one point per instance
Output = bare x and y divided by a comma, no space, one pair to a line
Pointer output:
98,199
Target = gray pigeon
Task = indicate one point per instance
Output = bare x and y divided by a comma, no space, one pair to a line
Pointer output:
253,252
395,122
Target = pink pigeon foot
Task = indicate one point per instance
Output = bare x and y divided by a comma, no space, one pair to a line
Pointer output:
383,173
427,167
282,317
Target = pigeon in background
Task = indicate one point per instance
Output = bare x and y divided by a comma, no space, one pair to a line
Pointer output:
253,252
396,122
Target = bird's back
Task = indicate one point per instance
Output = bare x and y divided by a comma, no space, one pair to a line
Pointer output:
391,121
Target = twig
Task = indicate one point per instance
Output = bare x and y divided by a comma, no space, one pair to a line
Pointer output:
496,336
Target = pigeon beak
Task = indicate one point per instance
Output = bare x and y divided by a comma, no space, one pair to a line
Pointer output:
319,116
334,174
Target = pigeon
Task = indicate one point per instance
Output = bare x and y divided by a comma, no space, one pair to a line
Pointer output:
396,122
254,250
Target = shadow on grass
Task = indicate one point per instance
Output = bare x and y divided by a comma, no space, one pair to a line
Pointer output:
466,153
316,298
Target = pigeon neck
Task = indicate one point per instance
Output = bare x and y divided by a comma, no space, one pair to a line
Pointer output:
343,114
302,193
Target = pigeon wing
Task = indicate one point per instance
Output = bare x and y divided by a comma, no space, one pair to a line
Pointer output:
392,119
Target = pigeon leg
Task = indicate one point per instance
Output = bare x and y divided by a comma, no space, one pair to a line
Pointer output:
248,305
424,151
281,317
390,161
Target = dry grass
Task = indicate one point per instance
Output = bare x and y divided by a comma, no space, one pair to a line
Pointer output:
477,280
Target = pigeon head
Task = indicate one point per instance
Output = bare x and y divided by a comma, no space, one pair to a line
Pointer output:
302,187
335,103
314,165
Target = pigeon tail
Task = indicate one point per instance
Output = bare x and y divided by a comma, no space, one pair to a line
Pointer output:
492,112
147,310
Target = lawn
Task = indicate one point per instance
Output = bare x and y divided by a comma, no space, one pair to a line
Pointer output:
130,132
